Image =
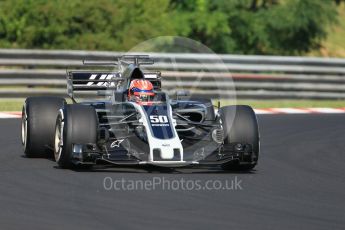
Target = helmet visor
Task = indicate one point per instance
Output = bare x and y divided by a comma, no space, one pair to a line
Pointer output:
145,97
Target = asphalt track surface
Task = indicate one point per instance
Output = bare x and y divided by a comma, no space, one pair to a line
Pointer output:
298,184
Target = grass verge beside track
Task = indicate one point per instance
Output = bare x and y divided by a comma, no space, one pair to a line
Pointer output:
7,104
262,104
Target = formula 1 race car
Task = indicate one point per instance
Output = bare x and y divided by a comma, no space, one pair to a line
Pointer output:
136,123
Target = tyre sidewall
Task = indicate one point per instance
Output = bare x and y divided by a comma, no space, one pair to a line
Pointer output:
64,161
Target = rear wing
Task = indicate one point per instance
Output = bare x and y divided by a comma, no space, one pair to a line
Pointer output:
122,60
100,80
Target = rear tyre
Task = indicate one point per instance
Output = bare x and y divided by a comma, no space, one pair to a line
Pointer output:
240,126
75,124
38,125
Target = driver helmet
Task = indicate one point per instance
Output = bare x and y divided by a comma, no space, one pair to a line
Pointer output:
140,90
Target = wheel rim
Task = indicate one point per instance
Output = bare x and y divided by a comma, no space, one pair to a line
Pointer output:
24,127
58,143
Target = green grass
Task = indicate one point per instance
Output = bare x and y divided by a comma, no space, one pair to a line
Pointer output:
11,104
16,104
288,103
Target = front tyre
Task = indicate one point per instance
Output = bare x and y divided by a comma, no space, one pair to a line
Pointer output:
240,126
75,124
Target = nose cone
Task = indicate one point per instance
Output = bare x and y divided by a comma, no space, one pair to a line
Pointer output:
167,152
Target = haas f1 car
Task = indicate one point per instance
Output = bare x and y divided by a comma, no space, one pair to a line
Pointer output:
133,122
